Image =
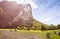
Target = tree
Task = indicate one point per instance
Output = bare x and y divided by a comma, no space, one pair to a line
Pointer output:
58,26
52,27
43,27
34,27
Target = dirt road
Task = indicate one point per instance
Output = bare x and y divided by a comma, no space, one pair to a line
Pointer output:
6,34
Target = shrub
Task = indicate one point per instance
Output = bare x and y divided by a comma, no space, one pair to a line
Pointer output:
48,35
58,33
55,32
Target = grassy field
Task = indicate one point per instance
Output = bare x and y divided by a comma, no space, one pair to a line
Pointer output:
41,33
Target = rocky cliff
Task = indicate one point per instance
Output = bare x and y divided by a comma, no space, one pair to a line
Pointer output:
13,14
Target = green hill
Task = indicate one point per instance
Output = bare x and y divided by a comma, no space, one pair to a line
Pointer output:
37,25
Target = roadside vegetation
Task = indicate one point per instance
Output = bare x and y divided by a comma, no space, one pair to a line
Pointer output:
42,34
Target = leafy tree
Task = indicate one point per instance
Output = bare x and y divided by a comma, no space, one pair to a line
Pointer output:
43,27
52,27
58,26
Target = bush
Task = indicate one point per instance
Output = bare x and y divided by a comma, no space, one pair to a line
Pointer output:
55,32
58,33
48,35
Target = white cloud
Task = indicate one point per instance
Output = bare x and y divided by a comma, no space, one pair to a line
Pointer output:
34,6
46,20
31,2
56,22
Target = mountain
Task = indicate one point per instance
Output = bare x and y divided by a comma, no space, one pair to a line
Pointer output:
13,14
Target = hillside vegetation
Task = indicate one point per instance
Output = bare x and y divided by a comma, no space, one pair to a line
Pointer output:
38,25
41,26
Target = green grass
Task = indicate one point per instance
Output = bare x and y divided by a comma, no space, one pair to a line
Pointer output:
54,36
42,34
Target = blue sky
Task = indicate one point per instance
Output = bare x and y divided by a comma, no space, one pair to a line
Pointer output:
45,11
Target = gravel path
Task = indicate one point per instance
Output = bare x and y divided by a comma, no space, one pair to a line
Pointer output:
6,34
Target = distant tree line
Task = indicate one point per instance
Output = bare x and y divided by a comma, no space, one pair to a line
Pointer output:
49,27
41,27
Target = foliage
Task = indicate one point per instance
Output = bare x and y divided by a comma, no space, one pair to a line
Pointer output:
38,25
58,26
42,34
58,33
48,35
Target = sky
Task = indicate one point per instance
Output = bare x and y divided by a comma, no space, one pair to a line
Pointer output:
45,11
48,11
